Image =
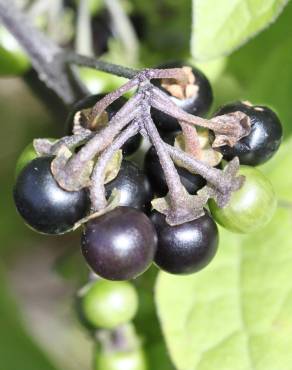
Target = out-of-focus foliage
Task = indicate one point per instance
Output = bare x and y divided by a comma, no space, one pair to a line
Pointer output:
251,304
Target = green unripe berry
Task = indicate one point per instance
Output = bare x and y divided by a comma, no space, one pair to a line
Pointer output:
108,304
251,207
133,360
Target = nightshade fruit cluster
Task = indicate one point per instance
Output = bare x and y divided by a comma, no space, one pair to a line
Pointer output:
122,240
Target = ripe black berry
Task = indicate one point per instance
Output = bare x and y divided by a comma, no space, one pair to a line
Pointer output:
198,102
131,145
264,139
43,204
157,179
120,244
185,248
134,186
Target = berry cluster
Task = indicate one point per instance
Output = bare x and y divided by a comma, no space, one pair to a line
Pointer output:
106,309
132,217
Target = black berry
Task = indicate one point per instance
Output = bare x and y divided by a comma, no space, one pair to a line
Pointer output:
198,103
264,139
185,248
120,244
43,204
134,186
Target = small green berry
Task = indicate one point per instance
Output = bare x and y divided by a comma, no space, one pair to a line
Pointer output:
132,360
251,207
108,304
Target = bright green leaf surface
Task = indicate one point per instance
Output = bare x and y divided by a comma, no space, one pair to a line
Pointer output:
236,314
219,27
281,175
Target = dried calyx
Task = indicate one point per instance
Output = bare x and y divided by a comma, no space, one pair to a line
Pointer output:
86,167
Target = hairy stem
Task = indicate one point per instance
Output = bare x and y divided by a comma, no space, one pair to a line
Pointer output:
97,190
221,124
191,140
70,176
176,189
103,103
211,174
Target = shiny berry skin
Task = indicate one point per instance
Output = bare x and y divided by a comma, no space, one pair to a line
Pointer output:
121,360
251,207
108,304
264,139
134,186
43,204
185,248
131,146
153,170
119,245
199,104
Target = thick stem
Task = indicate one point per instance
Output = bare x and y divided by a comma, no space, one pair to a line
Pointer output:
44,54
97,190
176,190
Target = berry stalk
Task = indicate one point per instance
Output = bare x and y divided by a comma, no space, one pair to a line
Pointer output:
179,207
97,190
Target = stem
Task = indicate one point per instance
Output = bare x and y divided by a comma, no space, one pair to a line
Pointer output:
103,103
83,42
224,124
97,191
191,140
123,30
44,54
211,174
94,63
176,190
69,176
72,141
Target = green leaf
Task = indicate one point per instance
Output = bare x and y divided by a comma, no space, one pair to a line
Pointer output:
219,27
281,175
236,314
262,74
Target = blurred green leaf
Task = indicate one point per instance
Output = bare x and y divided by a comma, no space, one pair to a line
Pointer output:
281,175
17,349
236,314
147,324
219,27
